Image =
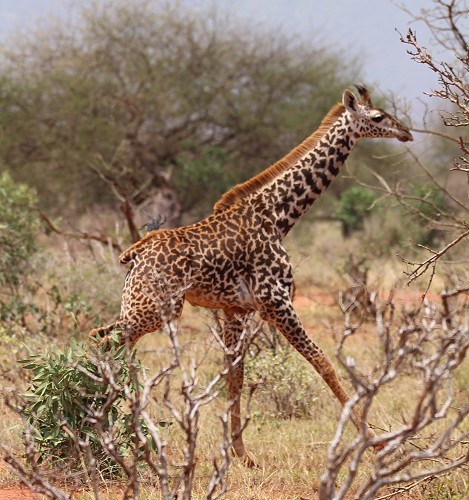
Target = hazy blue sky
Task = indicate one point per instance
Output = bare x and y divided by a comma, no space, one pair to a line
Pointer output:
365,27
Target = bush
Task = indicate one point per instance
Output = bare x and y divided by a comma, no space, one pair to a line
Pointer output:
18,228
404,226
353,207
428,203
289,382
71,404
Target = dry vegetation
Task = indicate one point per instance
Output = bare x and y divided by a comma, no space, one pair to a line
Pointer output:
396,326
291,453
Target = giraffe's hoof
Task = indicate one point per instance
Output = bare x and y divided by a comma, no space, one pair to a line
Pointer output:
98,340
97,335
249,462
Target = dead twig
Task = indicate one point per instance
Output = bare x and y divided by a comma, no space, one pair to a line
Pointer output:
80,235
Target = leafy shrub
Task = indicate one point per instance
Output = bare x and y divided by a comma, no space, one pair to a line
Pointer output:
353,207
289,382
70,390
18,227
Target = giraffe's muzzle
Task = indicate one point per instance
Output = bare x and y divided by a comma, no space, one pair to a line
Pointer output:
405,135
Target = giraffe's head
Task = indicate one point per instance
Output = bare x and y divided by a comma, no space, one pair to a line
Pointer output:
370,121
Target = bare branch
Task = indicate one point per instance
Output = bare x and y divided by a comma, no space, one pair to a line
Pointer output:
81,235
422,267
429,344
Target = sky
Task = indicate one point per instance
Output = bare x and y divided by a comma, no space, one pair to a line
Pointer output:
366,28
360,27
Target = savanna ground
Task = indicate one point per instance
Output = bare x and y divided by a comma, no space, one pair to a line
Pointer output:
290,449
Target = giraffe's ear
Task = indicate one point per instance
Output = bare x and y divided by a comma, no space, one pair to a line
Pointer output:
350,101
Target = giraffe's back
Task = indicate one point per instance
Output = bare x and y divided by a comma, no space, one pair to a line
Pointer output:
214,261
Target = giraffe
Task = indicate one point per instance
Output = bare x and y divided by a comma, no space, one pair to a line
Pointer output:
234,259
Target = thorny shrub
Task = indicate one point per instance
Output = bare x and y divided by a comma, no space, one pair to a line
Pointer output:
288,387
424,345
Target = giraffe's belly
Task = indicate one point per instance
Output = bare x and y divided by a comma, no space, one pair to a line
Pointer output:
234,296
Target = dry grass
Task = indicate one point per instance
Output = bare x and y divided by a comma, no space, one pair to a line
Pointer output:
290,453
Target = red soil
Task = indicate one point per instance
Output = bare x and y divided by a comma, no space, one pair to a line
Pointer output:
400,297
17,494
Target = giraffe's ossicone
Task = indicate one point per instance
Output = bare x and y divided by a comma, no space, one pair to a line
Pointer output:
234,259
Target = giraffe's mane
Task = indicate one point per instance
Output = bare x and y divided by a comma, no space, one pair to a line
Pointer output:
244,189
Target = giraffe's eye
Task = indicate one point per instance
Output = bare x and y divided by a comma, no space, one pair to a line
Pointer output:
377,118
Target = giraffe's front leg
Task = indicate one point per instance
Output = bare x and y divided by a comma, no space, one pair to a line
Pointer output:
281,314
234,361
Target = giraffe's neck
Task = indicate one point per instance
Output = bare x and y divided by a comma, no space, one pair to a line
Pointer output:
290,195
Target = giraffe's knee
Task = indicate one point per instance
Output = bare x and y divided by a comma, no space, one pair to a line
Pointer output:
235,376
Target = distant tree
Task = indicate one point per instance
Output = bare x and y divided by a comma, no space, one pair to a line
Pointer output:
18,227
156,104
353,207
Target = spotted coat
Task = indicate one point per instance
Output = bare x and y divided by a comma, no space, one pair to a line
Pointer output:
234,259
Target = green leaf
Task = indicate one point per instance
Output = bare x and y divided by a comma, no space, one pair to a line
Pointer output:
165,423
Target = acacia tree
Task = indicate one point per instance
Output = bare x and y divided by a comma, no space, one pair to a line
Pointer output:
166,104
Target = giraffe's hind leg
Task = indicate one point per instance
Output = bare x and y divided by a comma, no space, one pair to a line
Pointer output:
148,302
135,322
102,334
234,361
